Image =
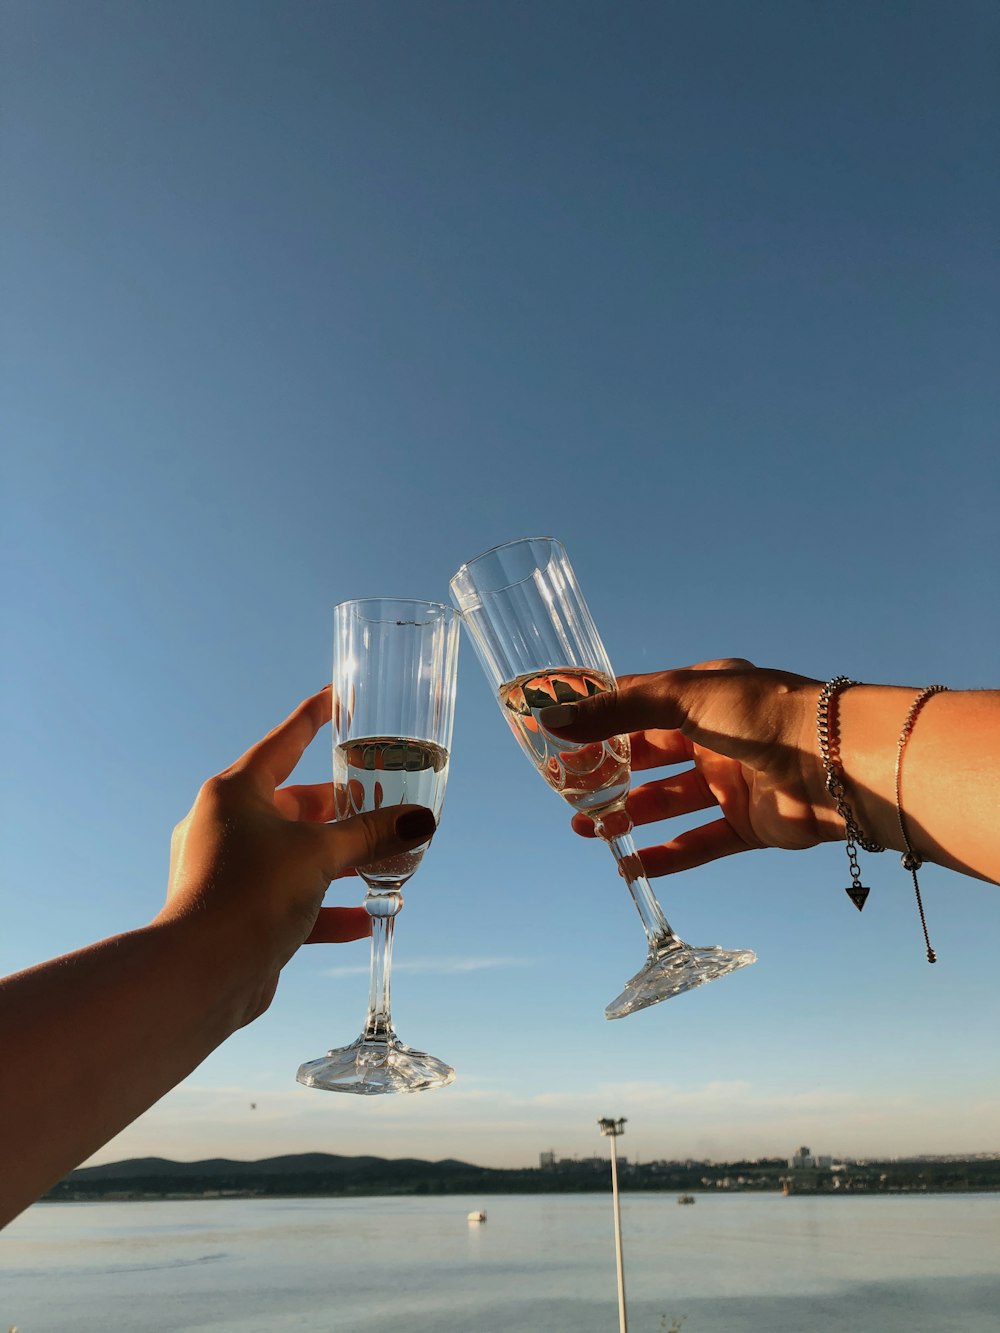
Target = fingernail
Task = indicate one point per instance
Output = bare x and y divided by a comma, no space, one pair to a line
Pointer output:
558,715
416,824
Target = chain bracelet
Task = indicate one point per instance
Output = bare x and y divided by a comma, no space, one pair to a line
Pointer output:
829,749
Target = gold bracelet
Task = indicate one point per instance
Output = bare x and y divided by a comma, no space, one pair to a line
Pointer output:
911,861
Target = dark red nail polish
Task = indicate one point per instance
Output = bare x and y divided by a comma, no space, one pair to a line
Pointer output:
416,824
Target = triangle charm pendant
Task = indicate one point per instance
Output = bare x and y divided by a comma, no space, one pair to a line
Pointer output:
858,895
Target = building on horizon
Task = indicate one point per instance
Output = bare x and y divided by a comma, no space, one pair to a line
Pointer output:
804,1160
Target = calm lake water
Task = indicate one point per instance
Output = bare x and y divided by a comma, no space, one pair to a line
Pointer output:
736,1264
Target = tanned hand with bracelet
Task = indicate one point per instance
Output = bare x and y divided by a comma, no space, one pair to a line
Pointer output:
749,740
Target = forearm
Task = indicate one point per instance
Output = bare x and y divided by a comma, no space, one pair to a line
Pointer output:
91,1040
950,772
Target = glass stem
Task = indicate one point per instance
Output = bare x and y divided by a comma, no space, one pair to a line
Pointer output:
382,908
654,923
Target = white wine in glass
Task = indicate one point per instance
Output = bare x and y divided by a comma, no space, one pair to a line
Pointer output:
591,777
538,645
394,667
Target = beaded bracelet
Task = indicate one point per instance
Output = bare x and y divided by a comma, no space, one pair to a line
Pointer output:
910,860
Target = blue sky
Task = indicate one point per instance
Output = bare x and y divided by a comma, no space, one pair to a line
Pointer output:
307,302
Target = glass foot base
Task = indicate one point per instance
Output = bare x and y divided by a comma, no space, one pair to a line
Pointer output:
674,970
373,1067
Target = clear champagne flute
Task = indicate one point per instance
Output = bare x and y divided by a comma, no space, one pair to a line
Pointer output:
394,668
538,645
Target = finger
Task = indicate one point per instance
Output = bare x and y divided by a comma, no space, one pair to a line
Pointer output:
695,847
336,925
682,701
315,803
272,759
584,826
680,794
657,749
640,703
342,713
373,836
722,664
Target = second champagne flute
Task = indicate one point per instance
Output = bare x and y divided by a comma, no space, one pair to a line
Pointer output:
394,667
538,644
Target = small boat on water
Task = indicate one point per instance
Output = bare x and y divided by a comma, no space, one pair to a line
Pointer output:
685,1198
476,1217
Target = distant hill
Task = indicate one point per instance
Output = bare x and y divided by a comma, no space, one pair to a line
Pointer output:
294,1174
309,1163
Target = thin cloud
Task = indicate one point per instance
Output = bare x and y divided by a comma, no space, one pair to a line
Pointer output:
441,967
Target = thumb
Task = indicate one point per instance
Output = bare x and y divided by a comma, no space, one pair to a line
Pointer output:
373,836
336,925
640,703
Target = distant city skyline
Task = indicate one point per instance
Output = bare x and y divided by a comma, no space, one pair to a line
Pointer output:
313,1173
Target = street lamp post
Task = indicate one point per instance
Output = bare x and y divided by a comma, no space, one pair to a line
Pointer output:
611,1129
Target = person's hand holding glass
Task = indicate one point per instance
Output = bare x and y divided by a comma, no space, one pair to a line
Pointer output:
539,646
394,667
